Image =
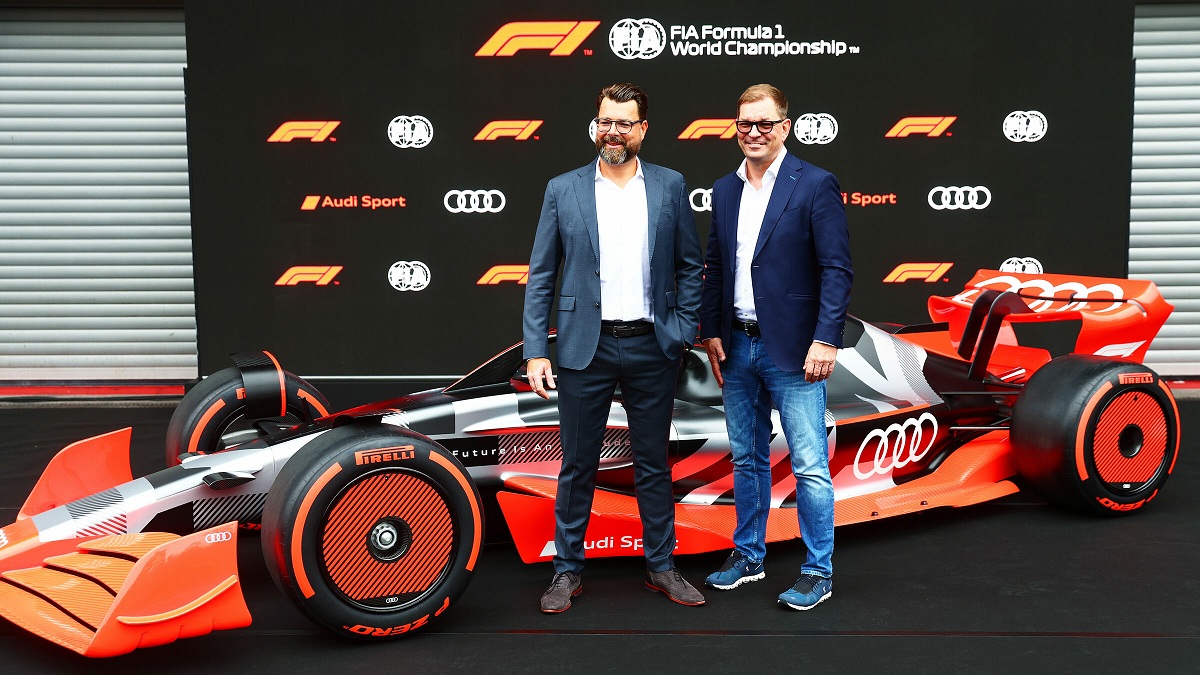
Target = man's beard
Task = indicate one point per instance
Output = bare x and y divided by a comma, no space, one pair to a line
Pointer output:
619,155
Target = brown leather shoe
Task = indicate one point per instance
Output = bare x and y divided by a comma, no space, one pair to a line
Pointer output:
563,587
674,586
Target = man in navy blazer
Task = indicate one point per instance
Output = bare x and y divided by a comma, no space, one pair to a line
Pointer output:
623,231
776,291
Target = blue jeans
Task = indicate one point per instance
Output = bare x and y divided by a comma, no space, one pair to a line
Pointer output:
752,381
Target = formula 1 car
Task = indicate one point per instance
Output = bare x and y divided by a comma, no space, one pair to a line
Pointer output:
372,518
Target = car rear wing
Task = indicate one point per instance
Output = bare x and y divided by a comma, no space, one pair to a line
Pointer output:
1118,317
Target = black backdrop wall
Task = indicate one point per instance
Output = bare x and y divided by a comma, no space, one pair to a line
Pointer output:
361,243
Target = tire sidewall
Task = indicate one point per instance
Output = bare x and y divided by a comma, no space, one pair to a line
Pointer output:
310,485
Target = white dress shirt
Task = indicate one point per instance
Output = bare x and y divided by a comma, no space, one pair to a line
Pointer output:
750,220
624,248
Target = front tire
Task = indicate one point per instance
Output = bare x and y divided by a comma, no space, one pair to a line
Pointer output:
212,416
372,530
1095,435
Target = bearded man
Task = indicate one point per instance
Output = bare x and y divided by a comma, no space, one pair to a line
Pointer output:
623,232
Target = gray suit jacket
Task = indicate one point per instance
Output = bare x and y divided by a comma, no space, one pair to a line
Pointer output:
568,233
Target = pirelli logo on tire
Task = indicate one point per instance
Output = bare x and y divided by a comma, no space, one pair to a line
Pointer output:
384,455
561,38
1136,378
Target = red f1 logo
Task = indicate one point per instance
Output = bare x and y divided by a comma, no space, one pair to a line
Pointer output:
320,275
725,128
518,129
560,37
929,272
930,126
313,131
502,273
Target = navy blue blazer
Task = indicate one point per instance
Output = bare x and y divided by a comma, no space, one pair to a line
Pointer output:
568,232
801,266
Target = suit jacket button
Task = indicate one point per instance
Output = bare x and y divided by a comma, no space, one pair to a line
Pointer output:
597,305
597,272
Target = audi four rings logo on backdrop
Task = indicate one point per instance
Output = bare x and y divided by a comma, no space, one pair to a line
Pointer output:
560,37
315,132
410,131
957,198
701,199
637,38
724,128
926,126
474,201
896,446
816,128
1025,126
408,275
516,129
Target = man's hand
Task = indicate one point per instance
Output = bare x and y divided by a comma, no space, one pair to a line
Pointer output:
716,355
541,377
818,365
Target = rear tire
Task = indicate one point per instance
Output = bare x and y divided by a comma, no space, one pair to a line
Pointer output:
212,417
372,530
1094,434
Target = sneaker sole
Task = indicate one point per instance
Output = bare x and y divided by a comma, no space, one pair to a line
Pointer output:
656,589
744,580
802,608
560,611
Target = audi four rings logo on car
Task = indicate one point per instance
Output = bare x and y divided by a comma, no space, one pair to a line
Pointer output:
474,201
1071,295
705,203
637,38
560,37
816,128
217,537
408,275
955,198
896,446
410,131
1025,126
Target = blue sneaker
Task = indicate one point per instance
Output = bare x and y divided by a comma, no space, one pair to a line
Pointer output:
809,591
737,570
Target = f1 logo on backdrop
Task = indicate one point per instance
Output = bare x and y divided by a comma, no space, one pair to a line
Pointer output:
560,37
410,131
474,201
816,128
637,38
724,128
519,130
1025,126
959,198
927,272
321,275
317,132
501,273
928,126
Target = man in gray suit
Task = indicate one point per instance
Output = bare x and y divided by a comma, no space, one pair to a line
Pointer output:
623,231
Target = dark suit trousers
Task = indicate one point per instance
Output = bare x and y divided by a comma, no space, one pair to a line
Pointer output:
647,379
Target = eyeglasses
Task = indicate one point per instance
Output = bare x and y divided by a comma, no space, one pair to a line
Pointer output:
623,126
764,127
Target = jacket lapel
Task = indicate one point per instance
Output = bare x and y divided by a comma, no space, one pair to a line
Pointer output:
785,183
585,196
654,203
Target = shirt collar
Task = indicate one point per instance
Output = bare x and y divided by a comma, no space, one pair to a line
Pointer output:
637,174
772,171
